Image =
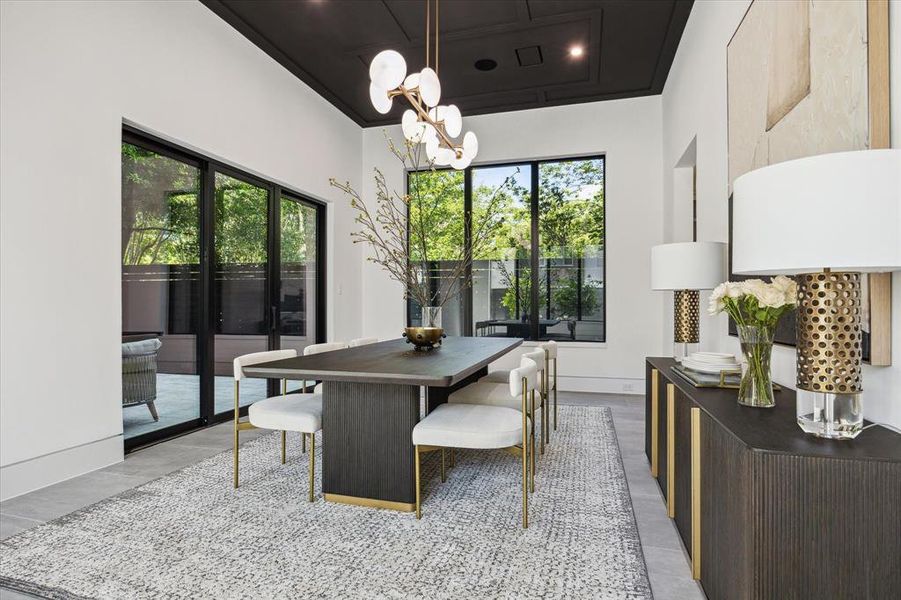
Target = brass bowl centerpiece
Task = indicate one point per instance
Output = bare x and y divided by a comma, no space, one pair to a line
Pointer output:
424,338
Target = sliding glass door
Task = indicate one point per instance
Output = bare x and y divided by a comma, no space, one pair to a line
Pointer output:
240,290
160,290
216,263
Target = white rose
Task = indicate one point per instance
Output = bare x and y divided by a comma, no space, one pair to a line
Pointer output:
715,306
753,287
788,287
770,296
734,289
718,292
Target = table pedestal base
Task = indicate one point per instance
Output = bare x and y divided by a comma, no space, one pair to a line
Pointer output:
367,450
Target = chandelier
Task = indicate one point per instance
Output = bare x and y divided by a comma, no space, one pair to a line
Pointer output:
427,122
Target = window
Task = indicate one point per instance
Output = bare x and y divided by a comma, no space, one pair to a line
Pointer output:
185,318
542,275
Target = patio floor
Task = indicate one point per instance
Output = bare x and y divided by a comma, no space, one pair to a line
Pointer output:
178,400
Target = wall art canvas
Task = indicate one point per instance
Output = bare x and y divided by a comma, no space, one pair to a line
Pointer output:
807,77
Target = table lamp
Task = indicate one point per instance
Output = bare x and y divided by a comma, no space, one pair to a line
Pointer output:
687,267
826,219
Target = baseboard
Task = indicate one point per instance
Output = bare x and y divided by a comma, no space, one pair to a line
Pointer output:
35,473
601,385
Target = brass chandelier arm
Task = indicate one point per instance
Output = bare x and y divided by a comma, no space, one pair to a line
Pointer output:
413,99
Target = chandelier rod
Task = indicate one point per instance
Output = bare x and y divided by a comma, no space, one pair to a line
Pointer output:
437,31
428,30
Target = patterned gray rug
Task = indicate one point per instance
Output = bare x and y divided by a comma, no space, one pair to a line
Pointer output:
190,535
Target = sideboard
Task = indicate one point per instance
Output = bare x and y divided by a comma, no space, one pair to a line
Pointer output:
766,511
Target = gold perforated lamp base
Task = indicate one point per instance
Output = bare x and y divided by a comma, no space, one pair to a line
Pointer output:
829,339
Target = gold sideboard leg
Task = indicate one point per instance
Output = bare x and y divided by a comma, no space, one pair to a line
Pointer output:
655,418
696,493
670,450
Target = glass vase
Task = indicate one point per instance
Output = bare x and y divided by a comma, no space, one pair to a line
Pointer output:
756,387
431,316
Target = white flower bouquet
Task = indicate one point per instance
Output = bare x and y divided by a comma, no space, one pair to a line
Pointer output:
756,307
755,302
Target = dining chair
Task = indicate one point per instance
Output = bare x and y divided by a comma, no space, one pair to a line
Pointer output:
287,412
317,389
483,427
471,394
550,350
364,341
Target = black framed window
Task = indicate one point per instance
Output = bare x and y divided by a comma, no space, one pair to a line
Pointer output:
216,262
542,276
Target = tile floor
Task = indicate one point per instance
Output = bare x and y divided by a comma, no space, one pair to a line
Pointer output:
667,562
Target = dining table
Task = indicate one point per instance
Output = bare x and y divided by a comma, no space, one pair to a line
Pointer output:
371,400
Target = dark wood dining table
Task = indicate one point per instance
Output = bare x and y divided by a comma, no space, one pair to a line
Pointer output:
370,404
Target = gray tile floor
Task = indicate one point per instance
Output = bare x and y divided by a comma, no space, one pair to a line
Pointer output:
667,562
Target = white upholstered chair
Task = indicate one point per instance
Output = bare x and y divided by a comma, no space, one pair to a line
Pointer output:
472,393
491,392
287,412
483,426
319,349
362,341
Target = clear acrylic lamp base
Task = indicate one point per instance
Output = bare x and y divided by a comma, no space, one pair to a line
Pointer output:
833,416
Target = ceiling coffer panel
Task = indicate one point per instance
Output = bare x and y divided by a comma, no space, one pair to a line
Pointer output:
627,46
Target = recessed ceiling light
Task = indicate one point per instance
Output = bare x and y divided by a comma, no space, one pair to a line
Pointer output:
576,51
486,64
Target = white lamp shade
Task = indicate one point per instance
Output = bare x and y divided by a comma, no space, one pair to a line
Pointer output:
688,266
840,211
388,69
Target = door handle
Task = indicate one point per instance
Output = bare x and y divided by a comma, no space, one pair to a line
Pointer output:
273,318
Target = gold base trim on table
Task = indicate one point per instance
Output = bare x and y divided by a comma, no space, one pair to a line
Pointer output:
371,502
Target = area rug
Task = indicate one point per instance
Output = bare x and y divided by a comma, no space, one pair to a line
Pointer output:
190,535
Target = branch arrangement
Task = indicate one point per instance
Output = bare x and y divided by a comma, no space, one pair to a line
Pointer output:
407,260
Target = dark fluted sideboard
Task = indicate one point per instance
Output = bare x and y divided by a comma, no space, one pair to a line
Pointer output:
766,511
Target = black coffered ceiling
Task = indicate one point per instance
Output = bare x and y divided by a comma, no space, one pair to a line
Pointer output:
629,47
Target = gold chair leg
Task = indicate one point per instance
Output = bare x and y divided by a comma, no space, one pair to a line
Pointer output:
532,446
312,462
555,394
543,420
443,470
525,466
237,418
284,447
418,510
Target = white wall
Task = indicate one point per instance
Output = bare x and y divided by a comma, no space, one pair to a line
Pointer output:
629,132
694,105
70,73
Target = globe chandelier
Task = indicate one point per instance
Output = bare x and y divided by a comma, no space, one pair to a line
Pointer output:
427,122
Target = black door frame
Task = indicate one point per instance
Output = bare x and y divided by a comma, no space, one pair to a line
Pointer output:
207,311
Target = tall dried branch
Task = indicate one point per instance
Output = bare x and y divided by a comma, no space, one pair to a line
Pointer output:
395,243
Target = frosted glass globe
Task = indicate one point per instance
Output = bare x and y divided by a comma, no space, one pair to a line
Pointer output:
453,120
470,145
388,69
461,163
414,130
429,87
380,99
431,146
412,81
